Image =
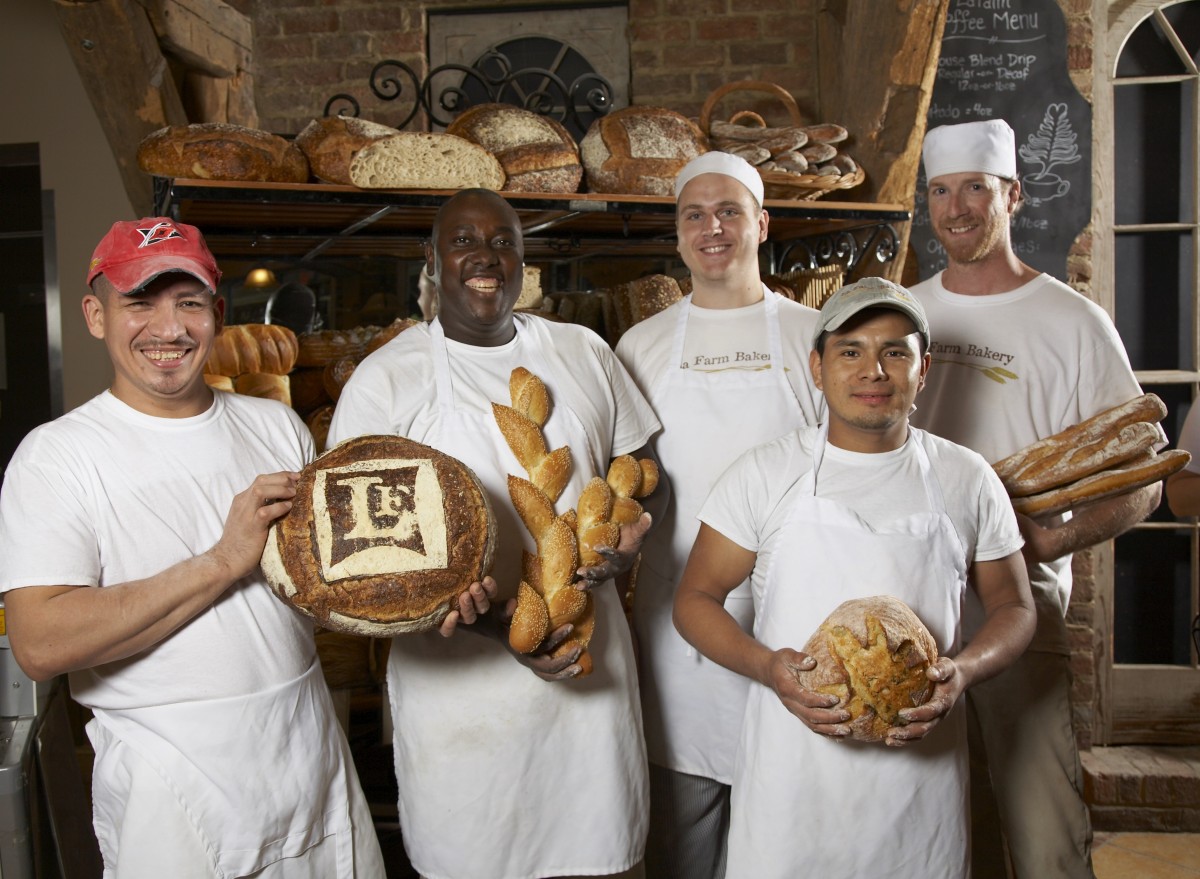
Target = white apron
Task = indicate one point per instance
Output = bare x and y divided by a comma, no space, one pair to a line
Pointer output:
232,763
503,775
804,804
693,707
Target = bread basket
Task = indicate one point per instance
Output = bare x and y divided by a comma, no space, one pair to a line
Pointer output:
778,184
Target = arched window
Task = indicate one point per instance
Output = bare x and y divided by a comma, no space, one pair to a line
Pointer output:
1148,275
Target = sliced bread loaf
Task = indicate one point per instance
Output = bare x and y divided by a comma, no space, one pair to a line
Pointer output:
420,160
537,153
331,142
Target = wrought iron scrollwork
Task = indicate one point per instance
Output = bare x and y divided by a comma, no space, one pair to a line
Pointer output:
844,247
451,88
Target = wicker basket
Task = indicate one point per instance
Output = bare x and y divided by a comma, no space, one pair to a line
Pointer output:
779,184
814,286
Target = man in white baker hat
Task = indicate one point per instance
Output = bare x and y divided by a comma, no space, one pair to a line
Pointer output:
725,370
1019,355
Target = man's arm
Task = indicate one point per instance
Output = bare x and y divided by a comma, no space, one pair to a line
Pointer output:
1003,588
1088,525
1183,493
57,629
714,568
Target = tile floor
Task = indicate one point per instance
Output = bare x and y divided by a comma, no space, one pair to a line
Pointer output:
1146,855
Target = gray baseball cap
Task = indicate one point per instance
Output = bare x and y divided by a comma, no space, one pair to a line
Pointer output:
870,293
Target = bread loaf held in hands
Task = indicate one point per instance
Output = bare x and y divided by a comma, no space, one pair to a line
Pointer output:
872,653
547,596
383,536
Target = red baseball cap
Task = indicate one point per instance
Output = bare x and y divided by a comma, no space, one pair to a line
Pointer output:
135,252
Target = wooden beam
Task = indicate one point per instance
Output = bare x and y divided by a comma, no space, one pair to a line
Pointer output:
876,64
127,79
207,35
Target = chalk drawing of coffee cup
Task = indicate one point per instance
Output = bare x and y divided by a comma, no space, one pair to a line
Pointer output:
1048,187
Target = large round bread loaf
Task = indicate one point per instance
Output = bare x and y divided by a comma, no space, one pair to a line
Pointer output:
639,150
383,536
331,142
420,160
872,653
221,151
537,153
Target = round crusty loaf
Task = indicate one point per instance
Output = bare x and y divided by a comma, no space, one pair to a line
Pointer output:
383,536
537,153
221,151
639,150
872,653
331,142
420,160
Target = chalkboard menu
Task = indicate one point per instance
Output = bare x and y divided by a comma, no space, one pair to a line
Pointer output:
1007,59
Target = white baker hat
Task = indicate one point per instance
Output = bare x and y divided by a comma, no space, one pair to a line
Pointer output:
717,162
988,146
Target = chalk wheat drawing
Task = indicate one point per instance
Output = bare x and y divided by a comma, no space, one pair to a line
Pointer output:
1053,145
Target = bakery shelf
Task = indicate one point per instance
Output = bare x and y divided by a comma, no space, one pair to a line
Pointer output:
310,221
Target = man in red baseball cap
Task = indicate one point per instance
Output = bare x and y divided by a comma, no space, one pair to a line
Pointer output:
131,549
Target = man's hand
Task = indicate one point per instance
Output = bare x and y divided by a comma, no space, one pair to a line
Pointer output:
920,721
473,603
249,521
617,560
818,711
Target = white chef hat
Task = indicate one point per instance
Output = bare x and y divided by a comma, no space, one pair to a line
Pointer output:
988,146
717,162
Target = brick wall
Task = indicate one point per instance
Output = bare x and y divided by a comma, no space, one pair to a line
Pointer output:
305,51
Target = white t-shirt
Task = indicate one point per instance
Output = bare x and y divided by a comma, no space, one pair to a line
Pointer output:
393,391
719,340
1011,368
751,501
106,494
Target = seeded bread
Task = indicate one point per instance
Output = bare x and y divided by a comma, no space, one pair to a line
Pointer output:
639,150
221,151
420,160
331,142
537,153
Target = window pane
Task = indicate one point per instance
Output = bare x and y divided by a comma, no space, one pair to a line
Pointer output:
1185,21
1152,613
1153,151
1154,298
1148,52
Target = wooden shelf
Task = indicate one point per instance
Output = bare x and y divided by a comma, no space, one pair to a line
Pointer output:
308,221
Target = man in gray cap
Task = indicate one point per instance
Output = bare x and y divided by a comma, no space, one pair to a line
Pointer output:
861,506
724,371
1020,356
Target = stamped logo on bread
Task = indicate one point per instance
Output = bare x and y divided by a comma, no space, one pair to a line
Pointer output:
379,516
383,535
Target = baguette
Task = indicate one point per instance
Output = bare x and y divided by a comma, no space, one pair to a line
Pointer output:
1147,469
1147,407
1074,464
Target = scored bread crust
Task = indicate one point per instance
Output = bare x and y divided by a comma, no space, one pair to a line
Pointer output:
221,151
305,548
537,153
872,653
639,150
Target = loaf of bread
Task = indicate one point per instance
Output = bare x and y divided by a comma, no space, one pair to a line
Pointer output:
420,160
1144,470
1046,456
383,536
536,152
218,382
873,654
264,384
639,150
331,143
221,151
318,422
319,348
386,334
336,374
242,348
308,389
